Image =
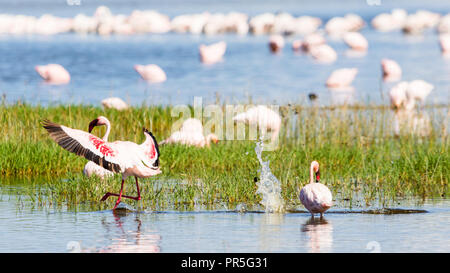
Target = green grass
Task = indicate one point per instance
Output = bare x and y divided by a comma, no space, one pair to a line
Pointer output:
361,161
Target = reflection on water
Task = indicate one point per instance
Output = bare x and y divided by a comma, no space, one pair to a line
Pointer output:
130,240
320,234
343,95
269,232
27,229
410,122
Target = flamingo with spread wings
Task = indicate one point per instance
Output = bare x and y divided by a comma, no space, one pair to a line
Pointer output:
125,157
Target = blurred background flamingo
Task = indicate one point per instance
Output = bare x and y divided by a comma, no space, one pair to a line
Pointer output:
191,133
53,73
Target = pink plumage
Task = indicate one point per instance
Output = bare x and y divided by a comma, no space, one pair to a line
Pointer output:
316,197
53,73
125,157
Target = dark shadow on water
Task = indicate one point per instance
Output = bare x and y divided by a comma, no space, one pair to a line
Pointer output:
127,210
385,211
314,222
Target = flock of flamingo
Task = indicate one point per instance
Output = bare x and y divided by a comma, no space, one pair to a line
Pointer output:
314,43
141,161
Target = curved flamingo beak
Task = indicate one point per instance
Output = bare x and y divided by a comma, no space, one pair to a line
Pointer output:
317,176
93,124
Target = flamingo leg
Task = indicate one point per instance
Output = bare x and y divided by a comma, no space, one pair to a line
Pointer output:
120,195
138,192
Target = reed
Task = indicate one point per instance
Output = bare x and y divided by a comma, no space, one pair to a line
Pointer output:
362,162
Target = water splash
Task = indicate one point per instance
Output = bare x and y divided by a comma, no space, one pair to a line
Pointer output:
124,207
268,185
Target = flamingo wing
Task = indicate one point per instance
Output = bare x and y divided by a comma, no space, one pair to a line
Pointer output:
84,144
149,150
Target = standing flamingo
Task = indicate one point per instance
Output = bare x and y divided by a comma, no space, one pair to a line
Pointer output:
210,54
418,90
191,133
264,117
91,168
151,73
323,53
276,43
53,73
405,94
342,77
125,157
398,97
444,41
316,197
115,103
310,40
356,41
391,70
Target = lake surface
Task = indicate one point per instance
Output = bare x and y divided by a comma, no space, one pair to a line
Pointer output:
24,228
103,66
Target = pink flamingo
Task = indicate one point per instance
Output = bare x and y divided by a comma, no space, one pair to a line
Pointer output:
297,45
191,133
356,41
444,41
342,77
391,70
115,103
418,90
276,43
311,40
323,53
398,98
405,94
316,197
151,73
212,53
125,157
53,73
264,117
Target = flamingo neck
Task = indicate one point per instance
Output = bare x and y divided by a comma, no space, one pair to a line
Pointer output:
108,129
312,173
208,140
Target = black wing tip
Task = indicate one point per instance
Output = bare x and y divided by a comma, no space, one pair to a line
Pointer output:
72,145
150,133
147,131
47,123
156,164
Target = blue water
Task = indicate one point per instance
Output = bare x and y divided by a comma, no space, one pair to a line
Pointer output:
103,66
25,228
